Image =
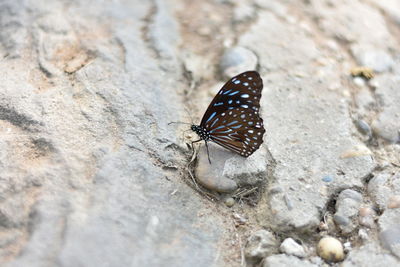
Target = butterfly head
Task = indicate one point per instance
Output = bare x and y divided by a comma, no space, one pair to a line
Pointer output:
204,135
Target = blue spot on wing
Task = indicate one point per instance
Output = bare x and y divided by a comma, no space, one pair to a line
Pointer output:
227,92
233,122
218,104
217,128
211,116
234,93
214,122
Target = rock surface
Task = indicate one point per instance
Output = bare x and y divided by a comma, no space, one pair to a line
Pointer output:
92,174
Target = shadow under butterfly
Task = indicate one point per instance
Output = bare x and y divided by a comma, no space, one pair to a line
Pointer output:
232,120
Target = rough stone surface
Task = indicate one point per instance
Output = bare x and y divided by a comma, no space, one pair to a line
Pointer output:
236,60
384,187
228,169
260,245
369,255
378,60
347,208
387,124
92,174
282,260
314,140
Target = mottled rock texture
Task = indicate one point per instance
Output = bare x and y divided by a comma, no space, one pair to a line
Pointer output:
92,174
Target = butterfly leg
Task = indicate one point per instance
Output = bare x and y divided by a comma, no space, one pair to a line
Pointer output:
193,146
208,153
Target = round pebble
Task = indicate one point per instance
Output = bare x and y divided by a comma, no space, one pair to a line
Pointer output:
367,217
330,249
236,60
360,82
364,127
327,178
229,202
394,202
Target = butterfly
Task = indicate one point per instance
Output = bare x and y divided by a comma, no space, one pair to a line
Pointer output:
232,120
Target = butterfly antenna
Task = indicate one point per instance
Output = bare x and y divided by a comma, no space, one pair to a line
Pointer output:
190,115
178,122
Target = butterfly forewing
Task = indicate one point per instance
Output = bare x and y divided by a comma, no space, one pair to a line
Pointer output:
243,90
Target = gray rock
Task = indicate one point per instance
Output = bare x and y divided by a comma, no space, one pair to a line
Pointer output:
383,187
376,59
91,174
390,239
283,260
229,170
88,162
341,20
236,60
260,245
387,123
392,8
369,255
276,7
364,100
291,247
281,50
367,217
314,135
364,127
243,11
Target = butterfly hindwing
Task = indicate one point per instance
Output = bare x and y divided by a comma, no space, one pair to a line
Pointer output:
238,130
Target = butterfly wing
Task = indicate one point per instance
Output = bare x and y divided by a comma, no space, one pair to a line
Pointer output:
242,91
238,130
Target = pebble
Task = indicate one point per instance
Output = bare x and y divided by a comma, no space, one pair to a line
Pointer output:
330,249
390,239
394,202
347,209
291,247
384,127
360,82
382,189
376,59
363,234
218,184
260,245
364,127
356,151
367,217
347,247
236,60
229,202
327,178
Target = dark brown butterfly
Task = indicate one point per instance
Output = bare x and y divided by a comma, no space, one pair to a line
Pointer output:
232,119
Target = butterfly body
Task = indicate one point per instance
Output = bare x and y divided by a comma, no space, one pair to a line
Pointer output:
232,119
